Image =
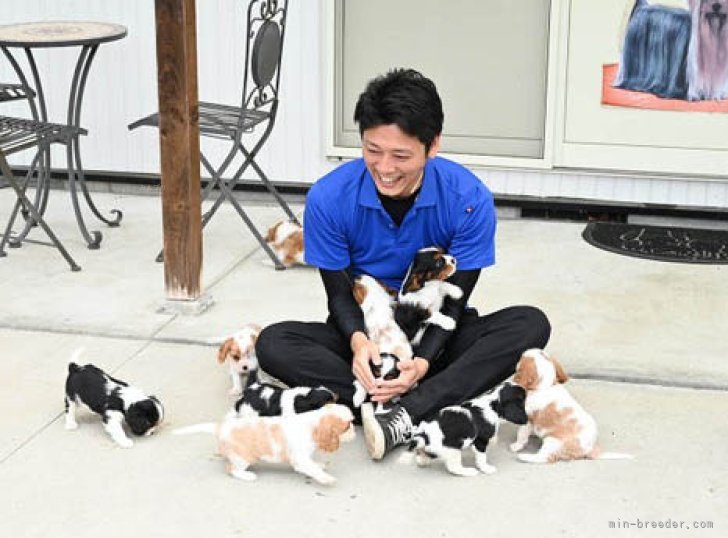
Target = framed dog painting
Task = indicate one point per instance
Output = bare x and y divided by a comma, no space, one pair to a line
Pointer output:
645,87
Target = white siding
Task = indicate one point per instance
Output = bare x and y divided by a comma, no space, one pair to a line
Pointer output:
122,88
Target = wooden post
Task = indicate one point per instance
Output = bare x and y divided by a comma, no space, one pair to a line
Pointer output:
179,138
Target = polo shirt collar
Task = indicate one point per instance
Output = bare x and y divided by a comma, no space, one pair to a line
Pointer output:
428,193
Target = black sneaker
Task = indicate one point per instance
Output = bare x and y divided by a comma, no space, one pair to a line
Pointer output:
386,430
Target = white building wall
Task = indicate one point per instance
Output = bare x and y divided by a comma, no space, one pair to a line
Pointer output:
122,88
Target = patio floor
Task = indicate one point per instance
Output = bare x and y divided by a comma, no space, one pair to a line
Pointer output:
644,340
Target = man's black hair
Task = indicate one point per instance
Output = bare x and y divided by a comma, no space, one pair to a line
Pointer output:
403,97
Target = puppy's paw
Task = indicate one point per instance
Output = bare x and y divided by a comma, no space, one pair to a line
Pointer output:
455,292
325,479
125,443
447,323
487,469
71,425
463,471
516,447
248,476
531,458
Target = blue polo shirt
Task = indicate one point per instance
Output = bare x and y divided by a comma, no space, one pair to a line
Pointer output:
345,224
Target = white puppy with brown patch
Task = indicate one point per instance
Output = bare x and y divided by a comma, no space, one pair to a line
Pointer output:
238,352
382,329
567,430
289,439
286,240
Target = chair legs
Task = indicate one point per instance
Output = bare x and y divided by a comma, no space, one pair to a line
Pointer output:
226,193
34,214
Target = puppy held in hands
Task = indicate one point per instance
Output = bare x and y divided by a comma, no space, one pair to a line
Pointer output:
238,351
387,371
285,238
117,402
376,303
473,424
567,430
292,439
425,287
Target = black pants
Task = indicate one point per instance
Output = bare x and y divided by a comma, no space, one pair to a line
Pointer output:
482,352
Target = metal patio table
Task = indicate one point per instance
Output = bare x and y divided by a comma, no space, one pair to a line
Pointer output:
88,36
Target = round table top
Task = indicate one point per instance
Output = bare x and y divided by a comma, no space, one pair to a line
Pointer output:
59,33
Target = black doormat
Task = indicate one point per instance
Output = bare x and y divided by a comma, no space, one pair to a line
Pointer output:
668,244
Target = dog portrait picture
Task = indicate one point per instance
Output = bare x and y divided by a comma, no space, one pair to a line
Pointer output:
674,56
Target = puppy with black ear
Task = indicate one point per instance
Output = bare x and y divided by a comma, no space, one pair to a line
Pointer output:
116,401
267,400
470,425
425,289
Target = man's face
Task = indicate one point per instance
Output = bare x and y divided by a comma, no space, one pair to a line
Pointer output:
395,159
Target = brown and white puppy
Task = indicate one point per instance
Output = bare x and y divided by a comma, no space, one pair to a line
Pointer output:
424,287
286,240
567,430
238,352
291,439
376,303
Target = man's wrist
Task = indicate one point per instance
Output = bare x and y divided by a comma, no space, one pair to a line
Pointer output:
357,340
422,365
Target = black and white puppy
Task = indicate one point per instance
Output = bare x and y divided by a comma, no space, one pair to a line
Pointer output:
424,291
387,370
470,425
116,401
268,400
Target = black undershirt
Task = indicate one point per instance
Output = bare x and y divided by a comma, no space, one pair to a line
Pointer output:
397,207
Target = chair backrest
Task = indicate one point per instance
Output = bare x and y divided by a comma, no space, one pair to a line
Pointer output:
266,28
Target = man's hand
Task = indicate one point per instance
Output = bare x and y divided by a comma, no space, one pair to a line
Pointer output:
410,372
364,351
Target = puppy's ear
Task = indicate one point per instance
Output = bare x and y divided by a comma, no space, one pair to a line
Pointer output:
561,375
326,433
526,374
228,347
360,292
271,235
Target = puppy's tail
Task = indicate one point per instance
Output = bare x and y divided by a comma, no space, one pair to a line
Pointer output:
204,427
72,366
597,454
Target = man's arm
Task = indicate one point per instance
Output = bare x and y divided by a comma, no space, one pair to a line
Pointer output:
349,319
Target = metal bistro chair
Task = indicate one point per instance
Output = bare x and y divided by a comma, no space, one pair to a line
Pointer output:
266,23
17,134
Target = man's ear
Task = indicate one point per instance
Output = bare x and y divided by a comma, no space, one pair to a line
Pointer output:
434,147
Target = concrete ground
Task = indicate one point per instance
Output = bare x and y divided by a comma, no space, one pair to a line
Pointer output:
644,340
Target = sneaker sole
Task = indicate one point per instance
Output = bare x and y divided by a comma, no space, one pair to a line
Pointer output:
373,434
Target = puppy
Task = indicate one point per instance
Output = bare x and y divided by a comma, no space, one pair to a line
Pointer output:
424,287
292,439
238,352
267,400
286,240
386,371
567,430
470,425
394,346
116,401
